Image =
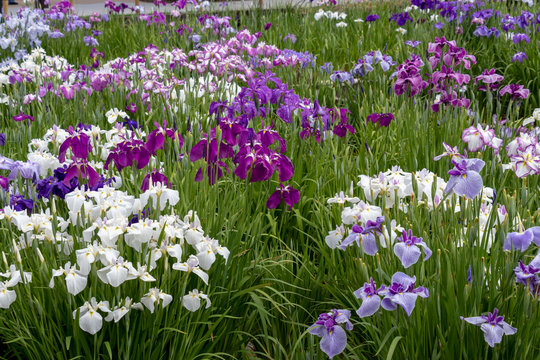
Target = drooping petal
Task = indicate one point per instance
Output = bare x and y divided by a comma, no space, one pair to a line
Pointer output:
369,243
406,300
519,241
91,322
407,254
475,320
469,185
492,334
334,342
387,304
369,306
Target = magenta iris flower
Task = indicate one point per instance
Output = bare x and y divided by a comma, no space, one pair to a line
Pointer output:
493,326
402,293
516,91
408,251
283,193
371,301
22,117
465,179
334,338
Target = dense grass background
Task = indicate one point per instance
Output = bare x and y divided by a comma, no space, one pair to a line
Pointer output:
281,274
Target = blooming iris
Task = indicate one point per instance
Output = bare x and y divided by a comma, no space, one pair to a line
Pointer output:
334,338
283,193
522,240
402,293
493,326
407,249
371,300
369,243
383,119
465,178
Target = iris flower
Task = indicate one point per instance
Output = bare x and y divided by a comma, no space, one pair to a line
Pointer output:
493,326
465,178
334,338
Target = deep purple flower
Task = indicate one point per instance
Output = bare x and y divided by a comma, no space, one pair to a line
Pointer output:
80,169
465,178
371,300
79,144
383,119
334,338
402,293
493,326
401,18
267,26
406,249
18,203
156,178
2,139
283,193
4,183
522,240
372,18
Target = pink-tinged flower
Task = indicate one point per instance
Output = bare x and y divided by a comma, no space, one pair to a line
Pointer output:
516,91
451,152
527,162
490,78
493,327
22,117
283,193
4,182
477,137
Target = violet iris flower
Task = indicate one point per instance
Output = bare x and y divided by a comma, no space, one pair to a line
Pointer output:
402,293
413,44
520,37
283,193
401,18
371,300
406,249
334,338
18,203
366,234
465,178
449,151
522,240
372,18
516,91
493,326
79,144
2,139
519,56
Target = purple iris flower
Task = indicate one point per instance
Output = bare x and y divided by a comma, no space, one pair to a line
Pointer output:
516,91
334,338
372,18
79,144
156,177
290,37
402,293
18,203
465,178
366,234
525,272
520,37
4,183
371,300
342,76
283,193
90,41
407,249
519,56
493,326
267,26
2,139
412,44
326,67
522,240
383,119
401,18
22,117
